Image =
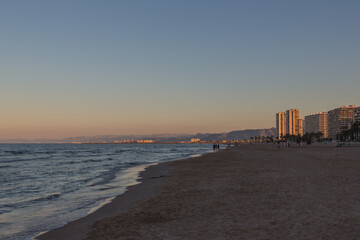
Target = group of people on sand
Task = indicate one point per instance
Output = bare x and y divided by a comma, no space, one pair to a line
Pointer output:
216,147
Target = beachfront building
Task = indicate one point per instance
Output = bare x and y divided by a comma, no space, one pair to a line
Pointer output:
281,124
299,126
317,122
357,115
144,141
291,116
293,124
340,119
195,140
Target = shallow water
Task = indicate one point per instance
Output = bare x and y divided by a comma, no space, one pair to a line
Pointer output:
43,186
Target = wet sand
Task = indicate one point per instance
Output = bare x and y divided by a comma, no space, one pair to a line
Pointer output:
249,192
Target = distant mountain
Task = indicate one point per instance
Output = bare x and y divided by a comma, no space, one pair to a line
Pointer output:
112,138
233,135
236,135
104,138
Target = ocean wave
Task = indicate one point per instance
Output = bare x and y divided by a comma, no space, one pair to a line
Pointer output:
51,196
46,152
22,160
106,188
123,150
133,163
19,152
88,151
92,160
95,151
2,211
5,166
26,202
71,152
106,176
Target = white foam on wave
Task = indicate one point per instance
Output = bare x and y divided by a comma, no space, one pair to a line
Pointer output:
103,203
127,177
37,235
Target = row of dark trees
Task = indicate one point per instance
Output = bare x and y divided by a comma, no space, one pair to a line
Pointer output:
293,138
351,134
307,137
258,139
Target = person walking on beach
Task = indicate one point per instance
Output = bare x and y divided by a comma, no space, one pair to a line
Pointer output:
216,147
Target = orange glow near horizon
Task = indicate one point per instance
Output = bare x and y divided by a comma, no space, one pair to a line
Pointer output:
33,131
224,67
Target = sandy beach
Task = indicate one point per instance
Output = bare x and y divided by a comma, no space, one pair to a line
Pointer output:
248,192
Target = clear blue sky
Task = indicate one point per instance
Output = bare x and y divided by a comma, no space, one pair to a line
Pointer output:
70,68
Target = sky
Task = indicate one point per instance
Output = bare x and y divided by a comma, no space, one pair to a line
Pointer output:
83,68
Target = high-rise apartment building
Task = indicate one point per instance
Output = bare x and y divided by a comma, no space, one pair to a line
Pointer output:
317,122
293,123
357,115
299,126
340,119
281,124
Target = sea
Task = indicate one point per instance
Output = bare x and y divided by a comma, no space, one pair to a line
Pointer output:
44,186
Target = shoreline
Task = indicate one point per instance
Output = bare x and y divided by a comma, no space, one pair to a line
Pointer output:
250,192
132,180
253,191
149,177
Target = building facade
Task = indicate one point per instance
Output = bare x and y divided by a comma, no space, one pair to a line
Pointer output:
357,115
281,124
293,126
340,119
299,126
317,122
